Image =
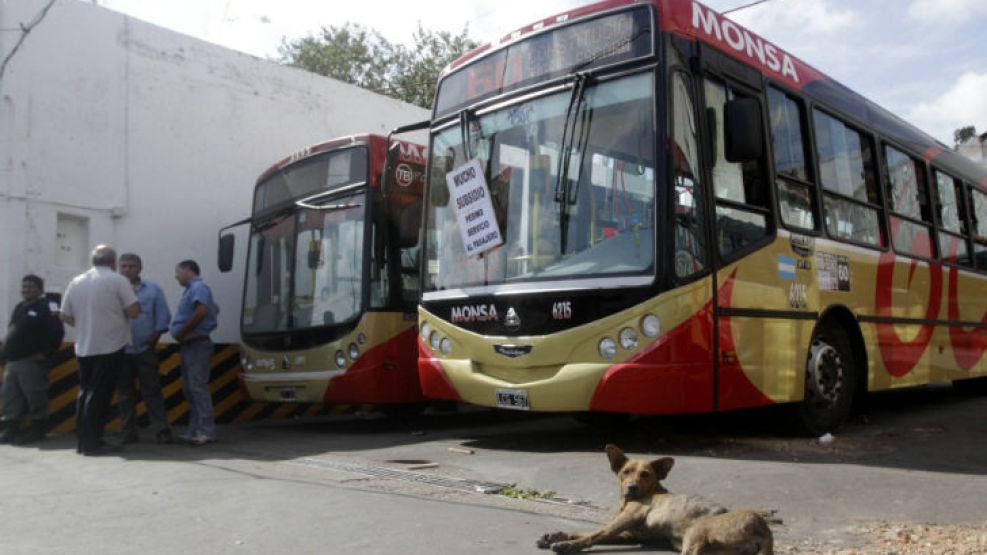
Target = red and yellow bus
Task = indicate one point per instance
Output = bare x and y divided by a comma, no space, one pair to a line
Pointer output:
642,207
331,276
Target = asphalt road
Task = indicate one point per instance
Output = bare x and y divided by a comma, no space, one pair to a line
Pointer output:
367,484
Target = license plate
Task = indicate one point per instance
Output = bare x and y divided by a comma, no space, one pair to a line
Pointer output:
288,393
514,399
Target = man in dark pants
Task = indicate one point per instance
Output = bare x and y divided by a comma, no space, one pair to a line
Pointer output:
98,304
142,357
33,335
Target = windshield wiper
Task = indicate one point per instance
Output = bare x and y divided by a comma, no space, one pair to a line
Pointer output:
565,154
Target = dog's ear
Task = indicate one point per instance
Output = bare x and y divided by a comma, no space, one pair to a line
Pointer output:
617,457
662,466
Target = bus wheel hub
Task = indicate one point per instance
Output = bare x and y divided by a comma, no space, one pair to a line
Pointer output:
825,372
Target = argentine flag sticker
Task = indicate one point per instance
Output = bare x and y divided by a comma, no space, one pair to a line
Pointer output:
786,267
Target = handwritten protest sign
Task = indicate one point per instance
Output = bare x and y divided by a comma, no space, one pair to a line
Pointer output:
470,198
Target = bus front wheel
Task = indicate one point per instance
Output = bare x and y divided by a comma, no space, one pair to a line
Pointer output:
830,383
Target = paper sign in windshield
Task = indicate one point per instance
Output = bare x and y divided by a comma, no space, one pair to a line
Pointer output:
470,197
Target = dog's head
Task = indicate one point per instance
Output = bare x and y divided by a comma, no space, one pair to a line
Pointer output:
639,479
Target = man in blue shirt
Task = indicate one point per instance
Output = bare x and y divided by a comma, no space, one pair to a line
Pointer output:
194,319
142,357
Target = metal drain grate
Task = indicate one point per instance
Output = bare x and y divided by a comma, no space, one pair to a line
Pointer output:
460,484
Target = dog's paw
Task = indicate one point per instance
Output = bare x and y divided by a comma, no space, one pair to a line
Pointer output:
547,540
566,547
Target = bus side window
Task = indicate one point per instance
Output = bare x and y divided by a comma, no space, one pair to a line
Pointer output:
740,188
908,200
689,218
851,200
952,220
979,214
794,183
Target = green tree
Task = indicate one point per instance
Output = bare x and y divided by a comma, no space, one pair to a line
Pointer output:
963,134
363,57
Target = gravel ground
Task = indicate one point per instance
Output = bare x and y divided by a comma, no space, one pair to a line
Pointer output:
897,538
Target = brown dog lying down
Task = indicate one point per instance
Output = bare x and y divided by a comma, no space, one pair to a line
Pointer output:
648,514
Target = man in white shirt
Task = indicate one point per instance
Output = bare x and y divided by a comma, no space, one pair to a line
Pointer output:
98,304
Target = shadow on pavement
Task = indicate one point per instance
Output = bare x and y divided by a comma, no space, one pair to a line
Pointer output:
931,428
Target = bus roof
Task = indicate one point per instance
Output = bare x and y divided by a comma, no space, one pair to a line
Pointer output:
370,139
695,21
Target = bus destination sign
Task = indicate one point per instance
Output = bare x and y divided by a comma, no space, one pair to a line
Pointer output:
582,46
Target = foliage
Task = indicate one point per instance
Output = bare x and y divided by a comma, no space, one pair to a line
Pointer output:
363,57
963,134
521,493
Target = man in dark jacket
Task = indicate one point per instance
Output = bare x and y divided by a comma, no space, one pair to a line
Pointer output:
33,335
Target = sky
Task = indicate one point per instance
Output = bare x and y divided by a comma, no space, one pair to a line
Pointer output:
925,60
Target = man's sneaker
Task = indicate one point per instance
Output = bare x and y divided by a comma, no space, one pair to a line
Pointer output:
164,436
200,439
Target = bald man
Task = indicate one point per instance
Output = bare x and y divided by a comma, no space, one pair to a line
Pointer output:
99,305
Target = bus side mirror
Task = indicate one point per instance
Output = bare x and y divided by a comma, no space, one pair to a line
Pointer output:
226,244
743,132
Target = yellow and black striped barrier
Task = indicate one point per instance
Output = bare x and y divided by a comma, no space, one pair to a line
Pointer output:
229,402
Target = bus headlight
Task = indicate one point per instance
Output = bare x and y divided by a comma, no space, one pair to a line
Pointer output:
628,338
651,326
445,346
608,348
426,330
433,339
340,359
245,363
354,351
362,338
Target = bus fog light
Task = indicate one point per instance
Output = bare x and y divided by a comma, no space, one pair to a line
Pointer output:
426,330
608,348
433,339
651,326
628,338
354,351
445,346
340,359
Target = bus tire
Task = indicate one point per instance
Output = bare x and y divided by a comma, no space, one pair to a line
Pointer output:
971,386
830,383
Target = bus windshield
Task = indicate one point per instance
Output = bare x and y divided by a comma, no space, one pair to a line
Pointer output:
597,220
305,267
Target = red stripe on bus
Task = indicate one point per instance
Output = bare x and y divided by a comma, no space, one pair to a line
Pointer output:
435,383
968,346
385,373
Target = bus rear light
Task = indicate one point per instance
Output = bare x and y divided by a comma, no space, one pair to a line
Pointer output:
628,338
340,359
445,346
354,351
651,326
608,348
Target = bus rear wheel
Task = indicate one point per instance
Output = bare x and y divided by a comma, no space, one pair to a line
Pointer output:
830,383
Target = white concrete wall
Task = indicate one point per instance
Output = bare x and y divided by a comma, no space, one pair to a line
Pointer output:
154,138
